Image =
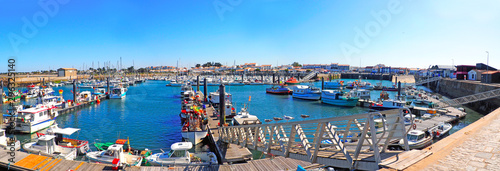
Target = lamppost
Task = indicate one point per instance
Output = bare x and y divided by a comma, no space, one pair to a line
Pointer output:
487,64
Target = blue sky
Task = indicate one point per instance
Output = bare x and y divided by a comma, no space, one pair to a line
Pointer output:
154,32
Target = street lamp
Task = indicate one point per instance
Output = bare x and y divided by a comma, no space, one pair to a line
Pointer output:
487,64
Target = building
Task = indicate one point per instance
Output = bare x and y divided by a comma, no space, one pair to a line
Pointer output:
482,66
344,67
475,74
67,72
463,71
316,66
490,77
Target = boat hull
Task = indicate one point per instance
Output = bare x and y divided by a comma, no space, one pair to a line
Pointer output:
195,137
118,96
308,96
30,128
340,102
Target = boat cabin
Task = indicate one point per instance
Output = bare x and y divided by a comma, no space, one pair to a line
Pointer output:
113,151
416,135
46,143
179,151
100,91
85,96
360,93
60,132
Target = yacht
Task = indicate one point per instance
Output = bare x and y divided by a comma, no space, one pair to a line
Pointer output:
306,92
336,97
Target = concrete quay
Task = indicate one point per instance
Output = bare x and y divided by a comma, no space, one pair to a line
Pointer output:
475,147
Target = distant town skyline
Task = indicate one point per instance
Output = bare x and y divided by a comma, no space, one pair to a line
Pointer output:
53,34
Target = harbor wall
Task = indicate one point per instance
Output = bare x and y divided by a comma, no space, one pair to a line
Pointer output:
458,88
367,76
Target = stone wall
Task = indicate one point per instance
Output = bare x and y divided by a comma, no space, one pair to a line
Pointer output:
459,88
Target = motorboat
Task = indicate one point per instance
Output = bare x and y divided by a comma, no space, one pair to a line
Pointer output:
282,90
53,100
242,116
306,92
336,97
215,98
31,92
185,88
99,91
334,84
84,96
417,139
81,146
179,155
113,152
292,81
441,130
7,142
46,145
118,93
408,119
389,104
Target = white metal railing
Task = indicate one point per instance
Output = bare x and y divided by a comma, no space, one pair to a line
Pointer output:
346,141
472,98
310,75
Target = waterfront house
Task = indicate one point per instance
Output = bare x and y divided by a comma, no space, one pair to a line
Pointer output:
490,77
463,71
66,72
475,74
482,66
344,67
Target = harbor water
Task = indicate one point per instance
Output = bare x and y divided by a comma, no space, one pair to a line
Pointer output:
149,115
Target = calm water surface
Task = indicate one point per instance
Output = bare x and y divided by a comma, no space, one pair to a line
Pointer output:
149,115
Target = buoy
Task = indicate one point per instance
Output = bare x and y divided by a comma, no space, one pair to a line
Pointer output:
98,101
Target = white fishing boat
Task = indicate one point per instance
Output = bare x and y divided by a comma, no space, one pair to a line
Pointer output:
179,155
441,130
33,119
32,92
53,100
194,130
215,98
306,92
417,139
65,142
7,143
46,146
84,96
118,93
185,88
360,93
389,104
243,117
113,152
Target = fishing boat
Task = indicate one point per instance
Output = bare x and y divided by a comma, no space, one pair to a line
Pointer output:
99,91
306,92
194,127
185,88
118,93
334,84
81,146
56,101
84,96
31,92
33,119
113,152
46,145
360,85
282,90
417,139
360,93
389,104
336,97
13,96
7,143
441,130
243,117
292,81
179,155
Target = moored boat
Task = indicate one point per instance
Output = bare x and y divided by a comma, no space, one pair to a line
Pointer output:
113,152
306,92
179,155
46,145
118,93
292,81
417,139
81,146
335,97
282,90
